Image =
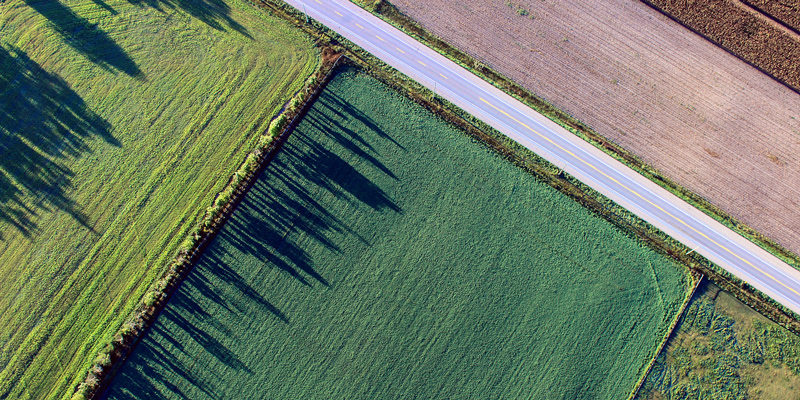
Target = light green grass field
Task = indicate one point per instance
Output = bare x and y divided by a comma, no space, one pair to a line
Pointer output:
119,122
386,255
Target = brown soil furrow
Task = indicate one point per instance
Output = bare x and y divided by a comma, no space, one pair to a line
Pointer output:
785,11
742,30
695,112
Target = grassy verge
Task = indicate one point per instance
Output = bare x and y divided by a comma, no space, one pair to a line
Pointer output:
698,280
390,14
549,173
383,253
121,121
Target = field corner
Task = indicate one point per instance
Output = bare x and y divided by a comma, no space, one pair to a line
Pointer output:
384,10
114,354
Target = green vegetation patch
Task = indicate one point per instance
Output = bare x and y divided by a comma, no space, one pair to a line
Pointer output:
385,254
119,122
725,350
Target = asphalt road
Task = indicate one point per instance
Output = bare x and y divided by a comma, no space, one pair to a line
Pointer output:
559,146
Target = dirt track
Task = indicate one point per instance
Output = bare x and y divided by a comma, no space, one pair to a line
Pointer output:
701,116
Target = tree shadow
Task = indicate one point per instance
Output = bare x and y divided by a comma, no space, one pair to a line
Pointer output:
283,205
187,321
102,4
282,224
156,362
86,38
336,104
43,124
214,13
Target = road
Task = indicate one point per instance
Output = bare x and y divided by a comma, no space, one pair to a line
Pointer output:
577,157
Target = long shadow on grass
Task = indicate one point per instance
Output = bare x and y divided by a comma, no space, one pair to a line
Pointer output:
299,203
102,4
215,13
85,37
285,205
43,123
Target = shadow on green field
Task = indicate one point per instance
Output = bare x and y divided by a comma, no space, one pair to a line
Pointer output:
85,37
284,201
217,313
154,379
42,124
215,13
102,4
347,137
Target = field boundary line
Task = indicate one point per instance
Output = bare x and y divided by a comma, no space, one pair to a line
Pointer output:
390,14
545,171
156,299
384,10
670,333
560,180
739,54
748,4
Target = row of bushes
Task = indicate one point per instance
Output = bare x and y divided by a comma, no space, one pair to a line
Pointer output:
248,167
111,356
548,173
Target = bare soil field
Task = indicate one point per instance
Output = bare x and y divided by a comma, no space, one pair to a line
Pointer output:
755,37
702,117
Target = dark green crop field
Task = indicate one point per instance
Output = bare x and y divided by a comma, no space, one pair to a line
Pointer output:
384,254
119,123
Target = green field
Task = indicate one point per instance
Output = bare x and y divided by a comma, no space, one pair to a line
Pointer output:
119,122
384,254
723,349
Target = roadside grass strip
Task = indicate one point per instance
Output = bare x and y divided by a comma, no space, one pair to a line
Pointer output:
385,254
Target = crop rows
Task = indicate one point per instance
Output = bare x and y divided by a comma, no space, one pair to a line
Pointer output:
119,123
785,11
743,32
385,254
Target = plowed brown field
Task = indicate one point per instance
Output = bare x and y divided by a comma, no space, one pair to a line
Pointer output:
701,116
757,38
